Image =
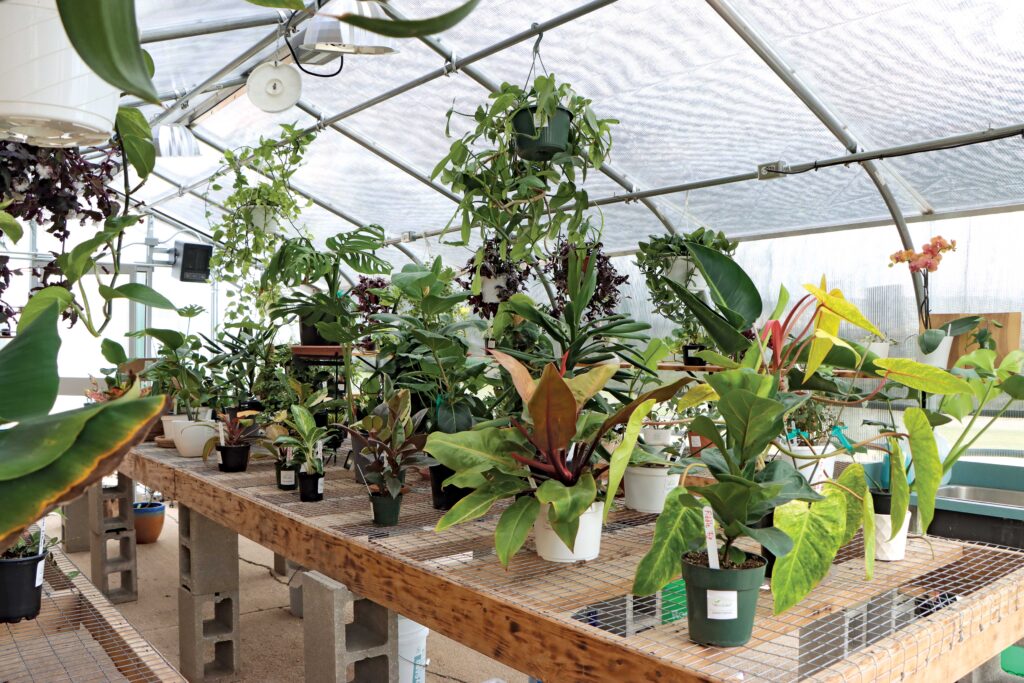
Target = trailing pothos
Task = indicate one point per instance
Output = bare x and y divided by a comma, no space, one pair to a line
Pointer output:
551,455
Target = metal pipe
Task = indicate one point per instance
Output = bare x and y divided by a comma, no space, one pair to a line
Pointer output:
205,28
174,94
408,252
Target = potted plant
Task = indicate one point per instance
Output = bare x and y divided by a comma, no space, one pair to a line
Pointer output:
648,480
307,449
608,281
496,277
809,433
149,519
236,433
391,445
646,375
21,576
544,462
239,360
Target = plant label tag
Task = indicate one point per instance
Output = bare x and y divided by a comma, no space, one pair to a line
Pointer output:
320,485
694,441
722,605
288,477
320,450
303,469
709,536
220,459
39,572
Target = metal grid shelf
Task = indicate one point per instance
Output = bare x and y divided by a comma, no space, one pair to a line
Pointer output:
944,594
78,637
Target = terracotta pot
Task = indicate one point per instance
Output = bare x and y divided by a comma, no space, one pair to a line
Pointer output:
149,521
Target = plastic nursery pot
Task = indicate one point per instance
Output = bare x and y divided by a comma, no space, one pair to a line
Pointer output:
542,145
287,476
647,487
21,587
149,521
444,498
385,508
310,336
657,436
233,458
721,602
690,357
311,487
322,420
886,549
588,537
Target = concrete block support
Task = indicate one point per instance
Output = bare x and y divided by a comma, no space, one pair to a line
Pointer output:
367,642
112,528
209,639
280,565
295,573
74,525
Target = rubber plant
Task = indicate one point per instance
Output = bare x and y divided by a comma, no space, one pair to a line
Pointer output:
549,455
48,459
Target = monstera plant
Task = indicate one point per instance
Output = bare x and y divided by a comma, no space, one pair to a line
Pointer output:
46,459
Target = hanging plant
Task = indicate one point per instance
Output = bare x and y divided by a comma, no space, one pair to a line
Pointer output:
524,161
606,295
494,279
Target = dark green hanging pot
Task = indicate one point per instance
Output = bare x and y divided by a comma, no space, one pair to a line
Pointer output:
542,145
721,602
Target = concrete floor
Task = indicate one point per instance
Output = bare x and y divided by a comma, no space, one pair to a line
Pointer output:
271,636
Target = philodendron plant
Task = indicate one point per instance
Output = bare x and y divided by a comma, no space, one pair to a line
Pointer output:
549,456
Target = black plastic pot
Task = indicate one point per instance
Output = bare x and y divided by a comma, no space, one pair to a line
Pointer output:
542,145
688,354
20,594
386,509
727,618
311,487
310,336
322,420
767,522
882,501
233,458
445,498
287,476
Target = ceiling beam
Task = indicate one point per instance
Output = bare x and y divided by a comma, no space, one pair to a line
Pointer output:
204,27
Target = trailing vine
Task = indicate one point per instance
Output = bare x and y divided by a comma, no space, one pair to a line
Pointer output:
606,295
489,262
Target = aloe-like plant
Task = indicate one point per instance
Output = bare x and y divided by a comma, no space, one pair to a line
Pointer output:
548,456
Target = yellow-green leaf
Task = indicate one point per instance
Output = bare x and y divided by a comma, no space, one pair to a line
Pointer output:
586,385
927,466
817,530
10,226
702,393
624,451
679,525
844,309
921,376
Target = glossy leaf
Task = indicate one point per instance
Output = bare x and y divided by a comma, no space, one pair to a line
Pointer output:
924,453
29,363
1013,386
38,441
817,532
41,301
137,139
567,504
929,340
624,451
702,393
172,339
775,540
587,384
826,329
731,288
553,410
135,291
478,450
106,36
899,488
752,422
113,352
10,227
854,479
479,502
412,28
514,526
921,376
726,335
662,393
521,378
679,527
844,309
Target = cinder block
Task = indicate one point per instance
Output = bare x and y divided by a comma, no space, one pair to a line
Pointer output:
208,647
280,565
110,507
111,519
74,525
295,571
207,554
368,644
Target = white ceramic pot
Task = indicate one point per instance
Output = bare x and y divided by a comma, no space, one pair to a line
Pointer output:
896,549
168,421
191,437
588,537
264,219
656,436
647,487
48,96
880,349
685,272
489,288
825,466
940,356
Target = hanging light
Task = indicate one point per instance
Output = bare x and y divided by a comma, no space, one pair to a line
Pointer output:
325,33
175,140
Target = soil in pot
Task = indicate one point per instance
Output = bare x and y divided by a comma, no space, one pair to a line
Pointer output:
311,487
386,509
310,336
287,476
21,587
233,458
721,602
149,521
445,498
542,145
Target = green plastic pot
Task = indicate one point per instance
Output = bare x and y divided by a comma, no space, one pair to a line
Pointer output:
542,145
721,603
386,509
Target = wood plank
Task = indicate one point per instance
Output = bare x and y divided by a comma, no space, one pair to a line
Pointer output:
1007,337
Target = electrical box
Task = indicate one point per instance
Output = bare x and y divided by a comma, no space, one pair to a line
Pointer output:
192,261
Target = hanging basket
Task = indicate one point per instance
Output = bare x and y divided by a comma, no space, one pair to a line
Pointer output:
544,144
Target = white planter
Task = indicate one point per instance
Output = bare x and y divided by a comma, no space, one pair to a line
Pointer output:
896,549
190,437
647,487
806,467
656,436
940,356
264,219
588,537
48,96
685,272
167,420
489,288
880,349
412,651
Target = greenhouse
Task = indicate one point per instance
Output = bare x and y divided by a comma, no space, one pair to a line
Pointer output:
511,342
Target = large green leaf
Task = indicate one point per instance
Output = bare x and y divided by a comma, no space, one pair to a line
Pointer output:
855,479
105,35
899,488
113,352
567,504
921,376
751,422
479,502
553,410
844,309
732,290
172,339
725,334
624,451
924,453
1013,386
514,526
662,393
10,227
28,368
817,531
412,28
680,525
137,138
478,450
38,441
107,436
43,300
134,291
586,385
775,540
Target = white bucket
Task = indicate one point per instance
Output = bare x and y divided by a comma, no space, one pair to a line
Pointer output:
825,466
412,651
896,549
588,537
940,356
48,96
647,487
489,288
190,437
655,436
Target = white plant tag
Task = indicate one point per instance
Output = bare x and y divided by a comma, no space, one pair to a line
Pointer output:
303,469
709,536
320,485
694,441
288,477
220,458
39,573
320,450
220,432
722,605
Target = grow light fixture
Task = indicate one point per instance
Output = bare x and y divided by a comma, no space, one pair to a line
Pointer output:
175,140
326,34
